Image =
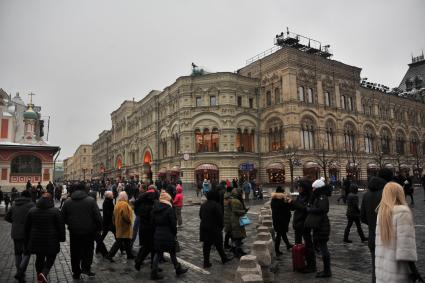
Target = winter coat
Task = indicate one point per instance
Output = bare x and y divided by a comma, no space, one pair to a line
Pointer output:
178,200
391,262
81,214
281,213
123,220
211,222
320,206
227,212
370,202
300,211
353,210
17,215
44,228
146,230
205,187
238,210
165,226
108,211
246,187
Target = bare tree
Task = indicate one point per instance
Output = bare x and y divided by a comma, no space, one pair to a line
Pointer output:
379,156
322,159
291,155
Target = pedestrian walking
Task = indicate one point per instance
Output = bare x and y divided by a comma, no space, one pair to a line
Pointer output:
227,212
44,230
423,183
353,214
82,215
301,232
317,219
165,226
146,229
107,224
14,195
211,227
238,210
17,215
281,215
178,204
205,187
6,201
136,224
123,220
370,202
395,238
247,189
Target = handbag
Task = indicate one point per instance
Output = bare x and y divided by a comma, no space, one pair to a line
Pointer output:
244,221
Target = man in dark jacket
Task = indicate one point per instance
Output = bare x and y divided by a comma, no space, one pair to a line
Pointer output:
17,215
50,188
44,230
107,226
211,214
146,203
353,214
370,202
81,214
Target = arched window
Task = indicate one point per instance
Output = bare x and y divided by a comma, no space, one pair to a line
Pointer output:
275,135
277,95
310,95
330,135
207,140
301,93
385,141
214,140
199,141
349,137
399,142
368,140
307,134
26,164
163,145
176,144
414,145
245,140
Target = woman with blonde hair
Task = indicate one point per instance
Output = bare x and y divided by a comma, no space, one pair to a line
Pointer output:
122,219
395,240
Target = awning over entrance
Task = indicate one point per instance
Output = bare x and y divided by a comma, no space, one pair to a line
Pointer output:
175,168
389,166
163,170
275,166
372,166
207,167
311,164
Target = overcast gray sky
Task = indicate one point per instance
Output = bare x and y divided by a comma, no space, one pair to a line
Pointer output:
83,58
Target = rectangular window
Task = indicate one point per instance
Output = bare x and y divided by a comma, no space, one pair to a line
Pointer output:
327,99
4,173
343,102
269,98
4,128
239,101
198,101
251,103
310,95
213,101
350,104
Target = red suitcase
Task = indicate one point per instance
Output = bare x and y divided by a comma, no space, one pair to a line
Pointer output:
298,257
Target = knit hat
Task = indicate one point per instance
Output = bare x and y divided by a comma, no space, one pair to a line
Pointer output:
319,183
165,197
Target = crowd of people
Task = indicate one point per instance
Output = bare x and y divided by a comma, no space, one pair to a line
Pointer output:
153,212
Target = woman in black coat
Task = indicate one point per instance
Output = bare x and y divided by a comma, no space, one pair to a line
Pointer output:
44,230
353,214
146,230
281,215
211,227
318,220
165,226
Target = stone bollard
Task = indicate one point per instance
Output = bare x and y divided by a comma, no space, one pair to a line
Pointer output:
263,229
248,265
266,237
252,278
266,218
269,224
261,251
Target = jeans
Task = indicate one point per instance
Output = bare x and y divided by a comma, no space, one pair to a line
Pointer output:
358,225
121,243
277,242
43,263
22,257
81,247
178,211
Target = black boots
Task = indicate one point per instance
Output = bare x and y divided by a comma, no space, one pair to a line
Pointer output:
155,275
180,270
327,268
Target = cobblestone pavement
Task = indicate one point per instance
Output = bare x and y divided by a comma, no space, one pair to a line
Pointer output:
350,262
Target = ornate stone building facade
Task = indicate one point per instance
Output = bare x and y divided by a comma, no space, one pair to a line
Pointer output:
80,165
287,113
